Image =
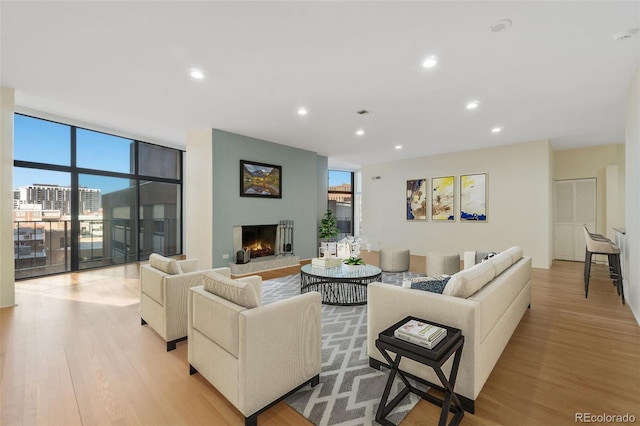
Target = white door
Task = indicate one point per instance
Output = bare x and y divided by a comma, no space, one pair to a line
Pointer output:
574,207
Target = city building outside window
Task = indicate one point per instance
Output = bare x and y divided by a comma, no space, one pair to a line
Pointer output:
84,199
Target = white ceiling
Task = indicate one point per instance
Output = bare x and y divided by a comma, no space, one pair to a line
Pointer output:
556,74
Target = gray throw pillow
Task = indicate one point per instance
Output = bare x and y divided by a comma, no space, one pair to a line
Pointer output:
432,284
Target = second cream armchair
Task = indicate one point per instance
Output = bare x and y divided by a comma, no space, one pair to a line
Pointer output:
253,354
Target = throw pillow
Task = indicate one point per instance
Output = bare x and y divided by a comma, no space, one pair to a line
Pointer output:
239,292
468,281
164,264
515,252
501,262
433,284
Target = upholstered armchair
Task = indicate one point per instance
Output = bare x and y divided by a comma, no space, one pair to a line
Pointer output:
253,354
164,284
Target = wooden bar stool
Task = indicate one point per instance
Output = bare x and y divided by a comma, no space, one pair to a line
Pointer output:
598,244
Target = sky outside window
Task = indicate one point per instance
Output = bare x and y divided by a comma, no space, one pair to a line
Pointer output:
41,141
100,151
337,177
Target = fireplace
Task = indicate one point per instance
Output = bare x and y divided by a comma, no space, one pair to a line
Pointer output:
259,240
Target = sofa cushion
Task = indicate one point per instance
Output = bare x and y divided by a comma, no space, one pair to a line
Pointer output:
239,292
164,264
468,281
515,252
501,262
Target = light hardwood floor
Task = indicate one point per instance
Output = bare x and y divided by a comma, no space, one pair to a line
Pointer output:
73,352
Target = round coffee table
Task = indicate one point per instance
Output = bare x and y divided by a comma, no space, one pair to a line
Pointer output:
337,285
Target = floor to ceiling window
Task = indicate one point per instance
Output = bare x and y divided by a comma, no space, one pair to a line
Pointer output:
85,199
341,200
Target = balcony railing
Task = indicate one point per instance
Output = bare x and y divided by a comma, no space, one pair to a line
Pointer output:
41,247
44,247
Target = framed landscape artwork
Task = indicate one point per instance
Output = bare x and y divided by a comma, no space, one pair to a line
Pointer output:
417,199
473,197
442,189
260,180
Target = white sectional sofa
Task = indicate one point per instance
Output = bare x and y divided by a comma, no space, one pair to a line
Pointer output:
486,301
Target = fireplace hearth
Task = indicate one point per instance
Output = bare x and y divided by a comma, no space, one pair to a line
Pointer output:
263,247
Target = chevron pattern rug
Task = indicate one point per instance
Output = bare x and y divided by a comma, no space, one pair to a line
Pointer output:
349,390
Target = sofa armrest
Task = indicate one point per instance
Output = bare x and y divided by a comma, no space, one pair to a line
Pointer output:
176,290
188,265
280,348
256,282
223,271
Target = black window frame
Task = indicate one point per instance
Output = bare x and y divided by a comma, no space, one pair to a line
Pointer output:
75,172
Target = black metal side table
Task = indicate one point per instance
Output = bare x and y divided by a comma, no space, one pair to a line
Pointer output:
434,358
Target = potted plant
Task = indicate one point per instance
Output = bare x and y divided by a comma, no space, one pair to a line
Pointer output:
328,226
328,230
353,262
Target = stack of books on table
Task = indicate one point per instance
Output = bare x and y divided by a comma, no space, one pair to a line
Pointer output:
326,262
420,333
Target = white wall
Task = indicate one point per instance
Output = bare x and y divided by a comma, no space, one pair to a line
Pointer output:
198,206
632,164
519,202
7,273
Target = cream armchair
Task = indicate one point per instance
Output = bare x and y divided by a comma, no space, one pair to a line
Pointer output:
164,283
253,355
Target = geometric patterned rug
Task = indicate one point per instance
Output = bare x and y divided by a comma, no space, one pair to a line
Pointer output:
349,390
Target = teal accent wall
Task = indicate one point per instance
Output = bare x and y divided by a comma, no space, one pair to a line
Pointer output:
302,192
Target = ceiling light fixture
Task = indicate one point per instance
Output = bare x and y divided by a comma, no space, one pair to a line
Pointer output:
496,130
624,35
360,132
473,105
500,26
197,74
398,147
430,62
302,111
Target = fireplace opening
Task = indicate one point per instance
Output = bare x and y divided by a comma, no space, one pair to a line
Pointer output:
259,240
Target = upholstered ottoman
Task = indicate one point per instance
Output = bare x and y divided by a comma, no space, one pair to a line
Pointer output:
439,263
394,259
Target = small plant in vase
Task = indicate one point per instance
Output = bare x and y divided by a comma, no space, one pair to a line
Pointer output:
353,262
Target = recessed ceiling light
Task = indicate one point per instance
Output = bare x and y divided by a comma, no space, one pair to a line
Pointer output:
500,26
496,130
430,62
302,111
360,132
473,105
624,35
197,74
398,147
